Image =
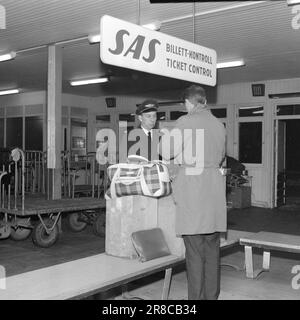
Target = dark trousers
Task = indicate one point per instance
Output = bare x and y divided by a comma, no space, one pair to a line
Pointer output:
203,265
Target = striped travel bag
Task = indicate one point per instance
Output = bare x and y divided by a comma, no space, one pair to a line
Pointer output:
147,179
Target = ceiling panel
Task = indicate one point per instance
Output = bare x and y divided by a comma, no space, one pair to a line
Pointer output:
260,33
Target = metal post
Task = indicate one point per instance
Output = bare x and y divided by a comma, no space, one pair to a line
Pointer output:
194,32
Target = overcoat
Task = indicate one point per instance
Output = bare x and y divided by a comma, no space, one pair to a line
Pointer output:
199,187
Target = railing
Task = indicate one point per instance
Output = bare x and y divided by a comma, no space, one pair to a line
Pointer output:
35,168
86,168
13,187
26,172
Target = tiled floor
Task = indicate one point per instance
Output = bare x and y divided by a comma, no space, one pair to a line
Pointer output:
19,257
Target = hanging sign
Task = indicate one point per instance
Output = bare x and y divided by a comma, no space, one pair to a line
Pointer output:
128,45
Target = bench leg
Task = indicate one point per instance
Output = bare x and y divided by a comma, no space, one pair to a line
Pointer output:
250,273
167,283
249,262
266,260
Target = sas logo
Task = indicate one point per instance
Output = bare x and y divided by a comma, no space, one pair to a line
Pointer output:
125,46
2,17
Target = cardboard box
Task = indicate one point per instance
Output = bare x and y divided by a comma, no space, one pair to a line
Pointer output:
126,215
239,197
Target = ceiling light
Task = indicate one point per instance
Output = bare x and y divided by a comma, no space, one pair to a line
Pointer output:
292,2
12,91
7,56
230,64
153,26
258,111
252,107
94,38
88,81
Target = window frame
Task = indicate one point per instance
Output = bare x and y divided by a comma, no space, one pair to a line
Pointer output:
239,120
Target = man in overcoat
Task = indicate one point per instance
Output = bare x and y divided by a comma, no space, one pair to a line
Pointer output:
199,192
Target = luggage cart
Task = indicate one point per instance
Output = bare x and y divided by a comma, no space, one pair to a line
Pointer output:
38,215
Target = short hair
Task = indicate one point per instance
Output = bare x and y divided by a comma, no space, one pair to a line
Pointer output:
196,92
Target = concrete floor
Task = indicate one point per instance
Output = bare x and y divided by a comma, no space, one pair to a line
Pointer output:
274,285
19,257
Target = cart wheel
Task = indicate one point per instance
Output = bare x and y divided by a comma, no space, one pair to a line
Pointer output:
21,233
74,222
41,238
99,225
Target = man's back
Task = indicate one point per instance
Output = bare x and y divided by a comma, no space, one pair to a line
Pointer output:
200,194
214,136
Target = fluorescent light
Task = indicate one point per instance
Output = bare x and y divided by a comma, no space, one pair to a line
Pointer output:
7,56
252,107
94,38
222,9
292,2
230,64
88,81
153,26
12,91
258,111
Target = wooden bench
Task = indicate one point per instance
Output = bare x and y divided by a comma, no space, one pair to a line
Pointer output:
268,241
85,277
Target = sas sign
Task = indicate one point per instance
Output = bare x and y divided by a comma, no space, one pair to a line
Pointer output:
131,46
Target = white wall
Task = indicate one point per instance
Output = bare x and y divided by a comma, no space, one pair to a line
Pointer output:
241,93
230,95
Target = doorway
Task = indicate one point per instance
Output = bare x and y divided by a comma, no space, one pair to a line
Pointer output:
287,162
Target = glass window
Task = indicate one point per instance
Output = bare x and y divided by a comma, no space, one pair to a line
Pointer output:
78,136
254,111
14,132
219,112
34,133
103,118
174,115
1,132
292,109
161,116
127,117
250,142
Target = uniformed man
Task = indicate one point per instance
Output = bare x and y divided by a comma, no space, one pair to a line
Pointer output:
146,136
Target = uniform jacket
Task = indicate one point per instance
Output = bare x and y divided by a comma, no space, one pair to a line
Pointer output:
139,145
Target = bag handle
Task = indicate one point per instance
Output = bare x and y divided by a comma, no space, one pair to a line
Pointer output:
144,185
161,187
113,184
